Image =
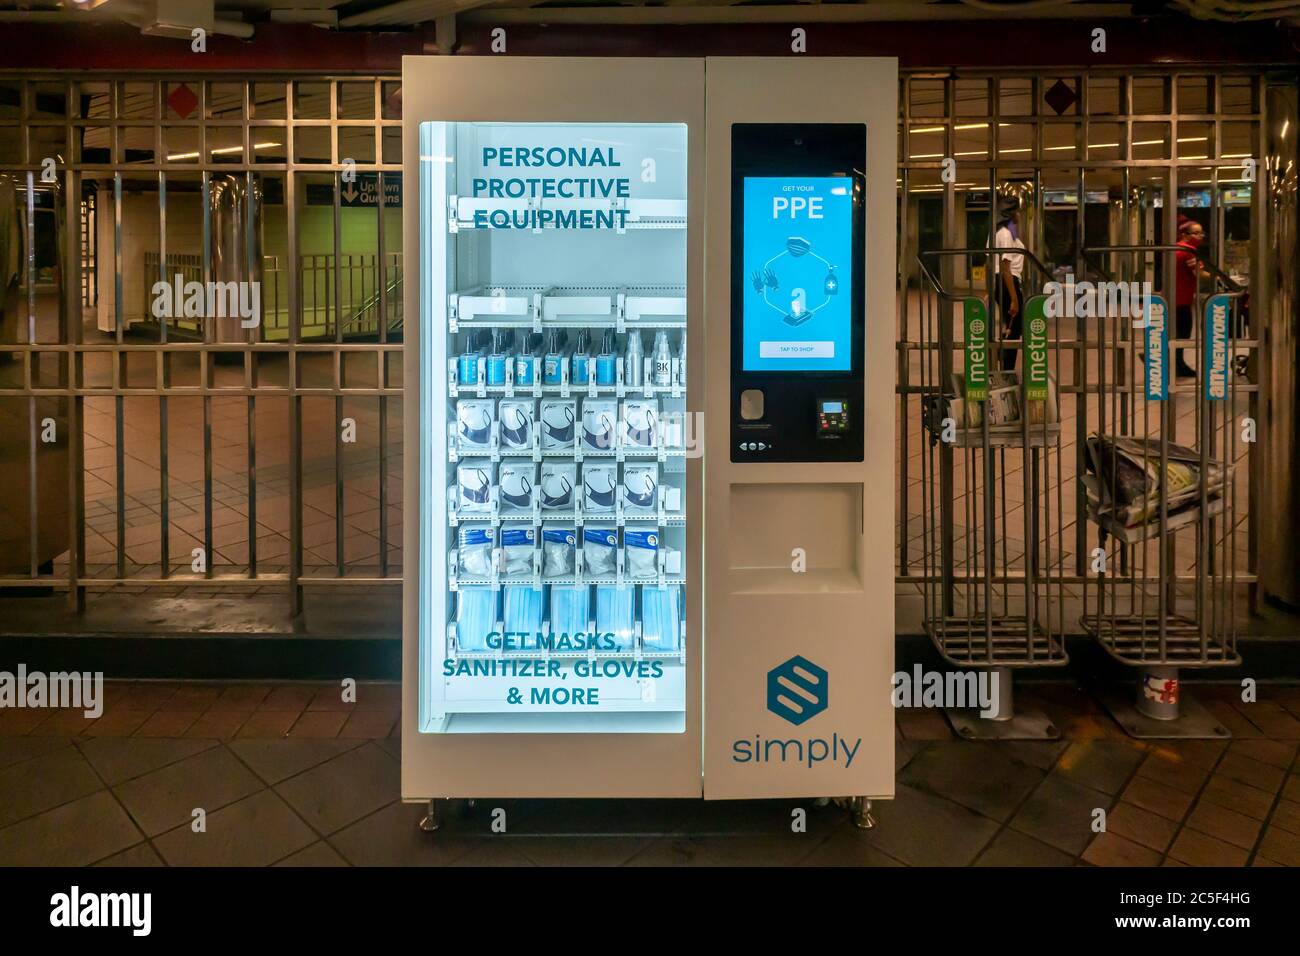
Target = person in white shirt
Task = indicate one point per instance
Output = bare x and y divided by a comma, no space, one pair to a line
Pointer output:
1008,269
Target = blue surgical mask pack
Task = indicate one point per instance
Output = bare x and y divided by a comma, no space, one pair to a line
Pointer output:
476,617
614,613
474,423
570,607
661,617
599,551
474,553
516,422
518,547
515,485
599,486
641,547
559,479
523,614
558,546
474,486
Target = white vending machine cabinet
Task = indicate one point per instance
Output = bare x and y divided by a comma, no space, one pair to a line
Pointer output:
559,338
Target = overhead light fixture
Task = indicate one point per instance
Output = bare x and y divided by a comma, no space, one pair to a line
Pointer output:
223,151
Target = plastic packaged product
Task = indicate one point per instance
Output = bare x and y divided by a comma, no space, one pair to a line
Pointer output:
640,487
516,417
496,361
599,551
661,617
641,547
474,487
570,609
474,423
599,485
522,616
515,485
526,361
553,363
558,417
599,418
607,361
640,424
518,548
581,361
476,617
558,546
474,555
558,481
614,613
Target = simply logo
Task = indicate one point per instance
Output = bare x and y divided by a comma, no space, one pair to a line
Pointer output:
797,690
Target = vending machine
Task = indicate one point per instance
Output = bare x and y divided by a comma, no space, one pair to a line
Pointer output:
631,332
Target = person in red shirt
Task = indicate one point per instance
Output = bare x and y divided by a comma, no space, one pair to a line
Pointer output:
1188,273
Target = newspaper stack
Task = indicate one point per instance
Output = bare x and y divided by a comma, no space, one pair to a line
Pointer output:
1124,481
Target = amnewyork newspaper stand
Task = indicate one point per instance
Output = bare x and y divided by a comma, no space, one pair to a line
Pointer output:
649,428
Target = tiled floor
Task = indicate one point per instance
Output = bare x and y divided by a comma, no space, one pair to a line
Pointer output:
290,775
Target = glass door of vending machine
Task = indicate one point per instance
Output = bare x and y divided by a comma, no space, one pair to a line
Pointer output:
556,495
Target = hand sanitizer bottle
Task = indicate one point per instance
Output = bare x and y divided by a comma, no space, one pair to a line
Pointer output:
634,360
662,373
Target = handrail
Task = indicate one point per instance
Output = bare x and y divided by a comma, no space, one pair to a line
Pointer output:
1234,287
981,251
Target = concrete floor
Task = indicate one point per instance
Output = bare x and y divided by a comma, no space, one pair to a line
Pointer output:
288,775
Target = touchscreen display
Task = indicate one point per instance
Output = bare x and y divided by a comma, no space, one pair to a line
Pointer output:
798,289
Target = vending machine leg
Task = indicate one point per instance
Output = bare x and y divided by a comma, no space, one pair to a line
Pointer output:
432,820
862,818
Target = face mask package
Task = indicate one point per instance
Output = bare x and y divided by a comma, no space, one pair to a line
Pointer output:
640,487
476,617
599,486
661,617
523,616
475,552
516,419
558,546
614,613
558,481
474,487
640,424
599,551
599,420
515,486
518,548
558,423
474,423
570,607
641,548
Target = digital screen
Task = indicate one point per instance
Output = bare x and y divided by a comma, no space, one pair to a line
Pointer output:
832,408
798,288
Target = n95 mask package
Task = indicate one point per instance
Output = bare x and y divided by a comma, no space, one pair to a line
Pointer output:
641,548
558,545
474,554
518,547
599,551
